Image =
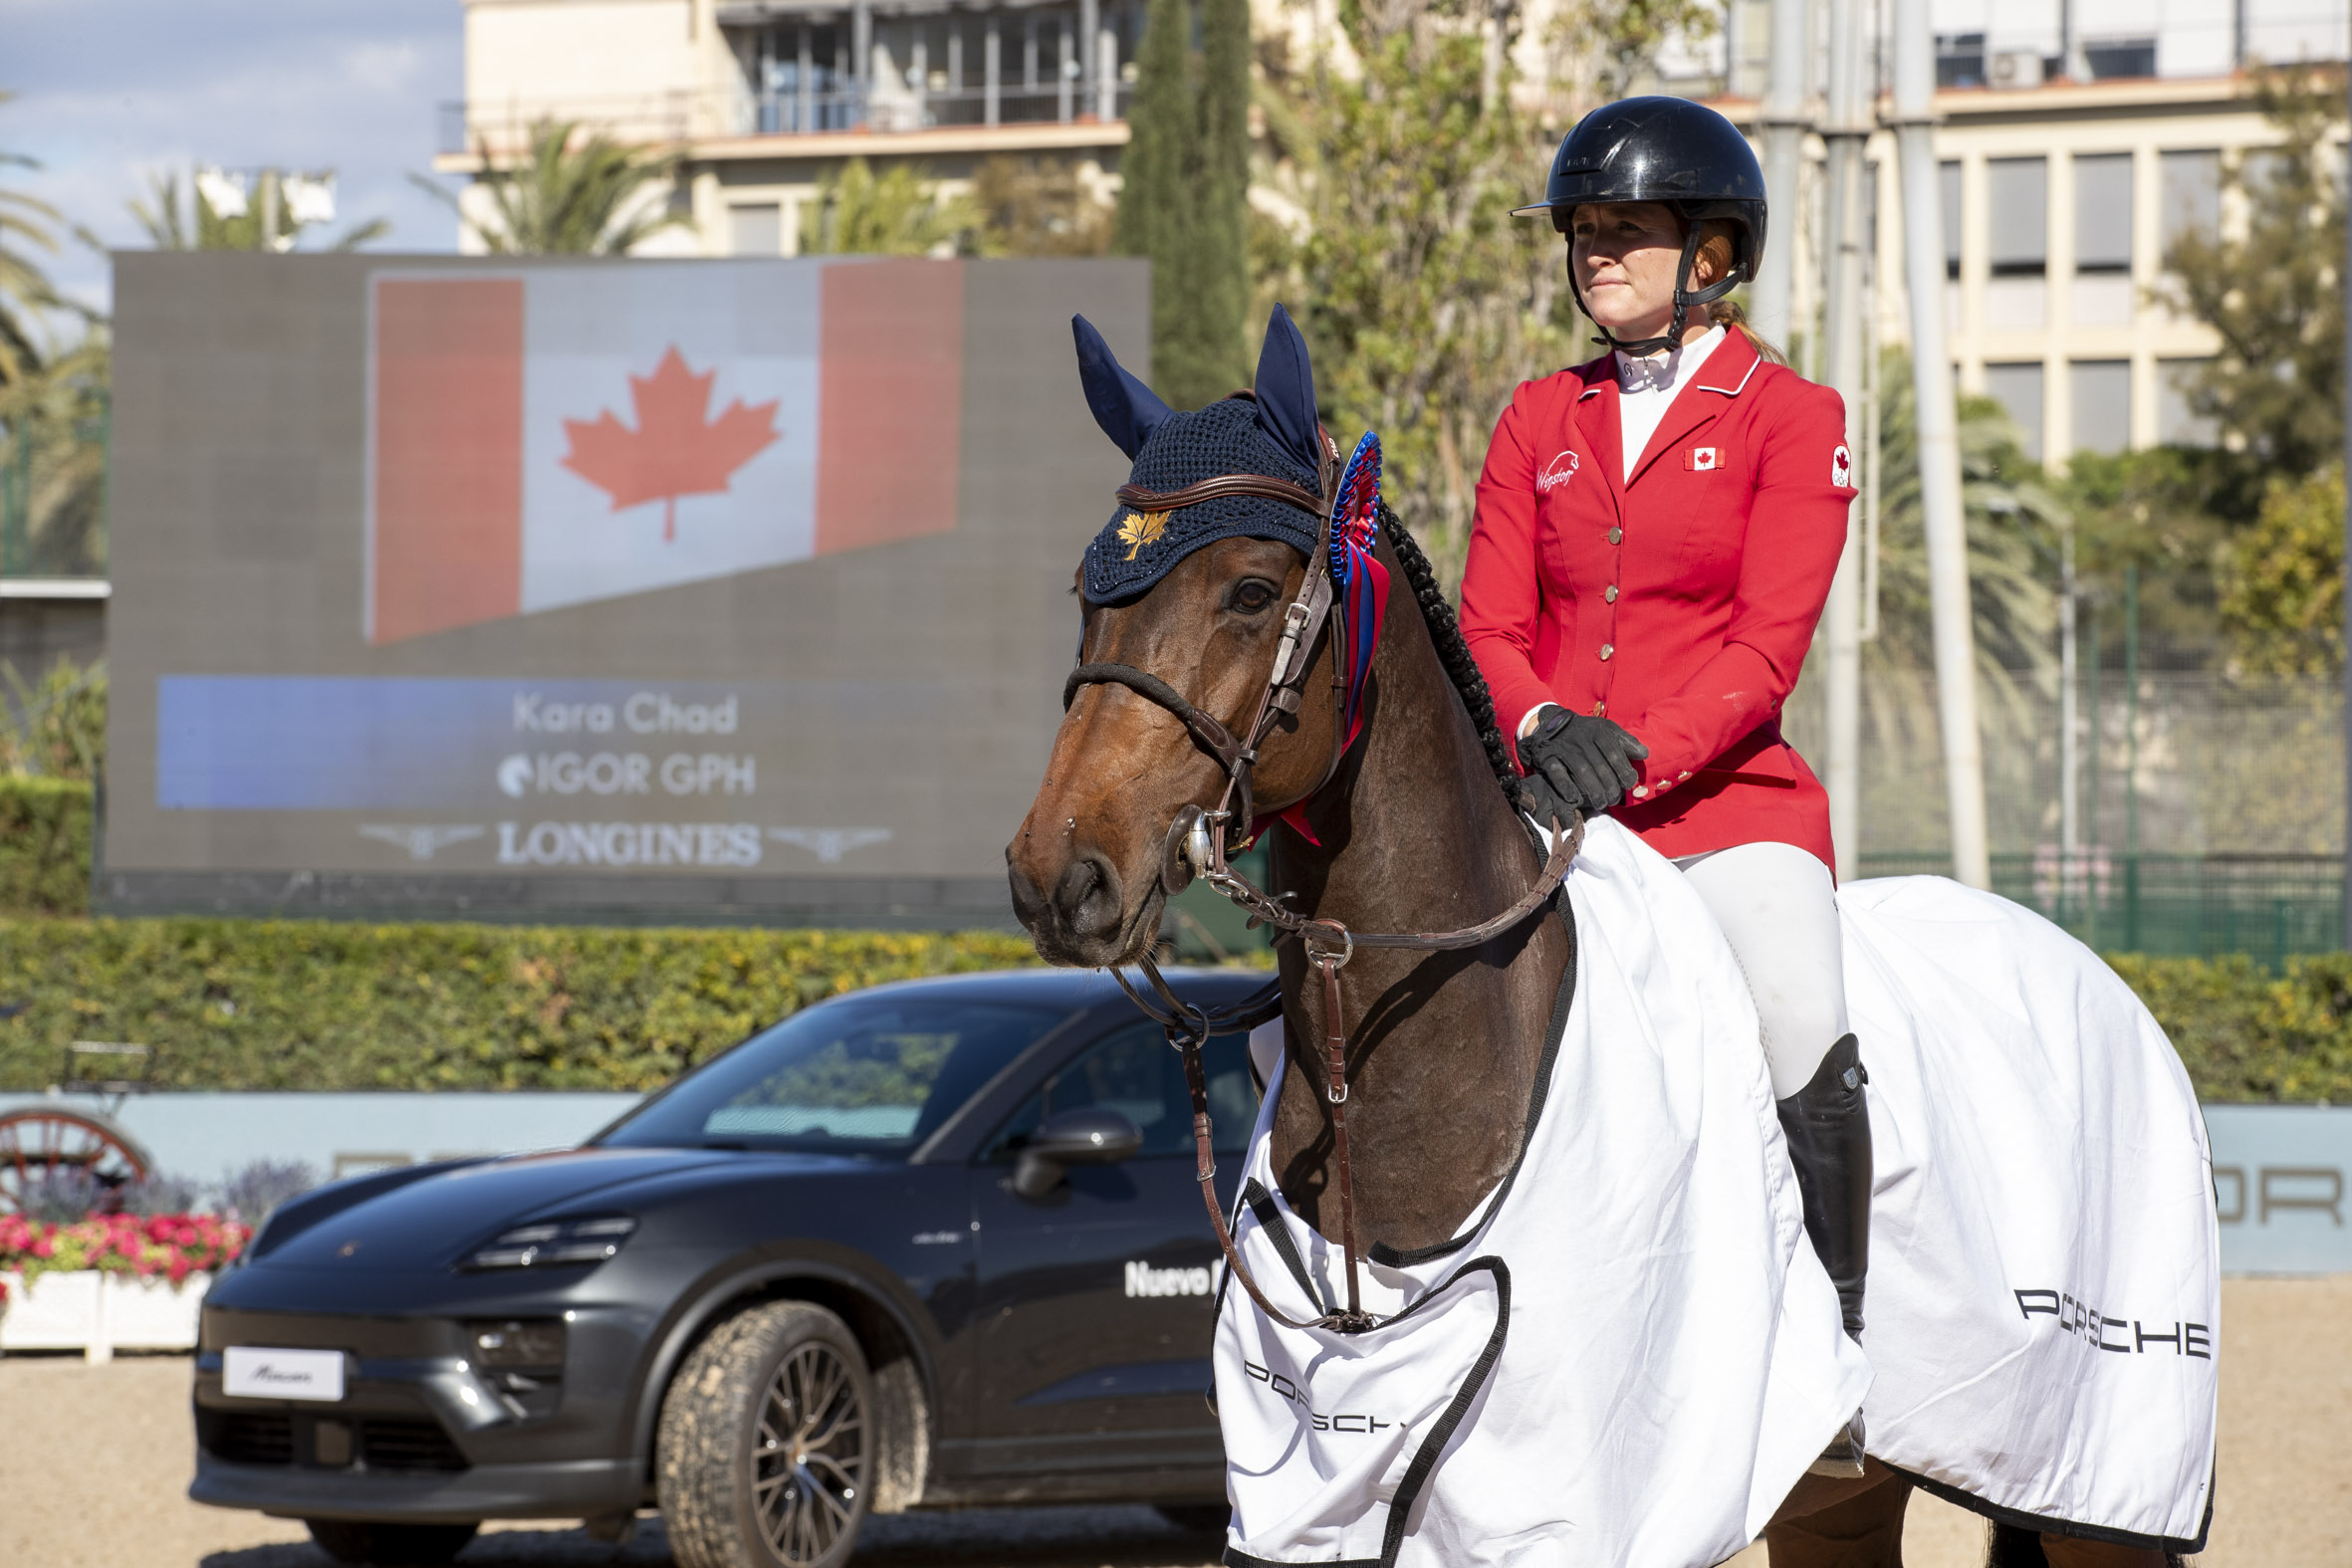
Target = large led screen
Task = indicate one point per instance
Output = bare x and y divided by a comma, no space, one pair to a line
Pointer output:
612,588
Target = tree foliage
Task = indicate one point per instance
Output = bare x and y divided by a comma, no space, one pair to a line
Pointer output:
1599,50
53,457
45,832
54,727
2012,522
1425,301
27,225
2283,580
2274,293
2169,512
1037,206
1184,195
52,401
897,212
573,193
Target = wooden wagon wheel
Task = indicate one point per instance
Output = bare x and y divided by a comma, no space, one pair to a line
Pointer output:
39,1141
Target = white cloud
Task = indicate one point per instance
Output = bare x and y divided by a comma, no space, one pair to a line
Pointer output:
111,93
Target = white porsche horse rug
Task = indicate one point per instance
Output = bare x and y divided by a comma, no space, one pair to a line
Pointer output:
1629,1354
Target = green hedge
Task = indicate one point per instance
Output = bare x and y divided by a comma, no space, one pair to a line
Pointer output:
317,1005
2248,1035
44,846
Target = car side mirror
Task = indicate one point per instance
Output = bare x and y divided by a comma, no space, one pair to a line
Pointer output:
1088,1134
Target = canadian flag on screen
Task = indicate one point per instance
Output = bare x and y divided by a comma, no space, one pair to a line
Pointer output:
551,435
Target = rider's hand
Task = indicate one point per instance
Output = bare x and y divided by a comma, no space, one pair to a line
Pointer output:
1586,762
1542,803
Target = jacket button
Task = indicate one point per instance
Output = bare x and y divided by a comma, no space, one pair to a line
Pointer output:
1609,594
1600,710
1616,535
1605,650
1641,791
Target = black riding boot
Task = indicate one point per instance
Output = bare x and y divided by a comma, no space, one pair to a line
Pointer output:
1827,1124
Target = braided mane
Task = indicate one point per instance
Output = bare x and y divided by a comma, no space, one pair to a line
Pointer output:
1453,652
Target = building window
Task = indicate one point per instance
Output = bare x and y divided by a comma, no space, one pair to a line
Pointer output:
2019,192
755,229
2191,194
2102,404
2120,56
2103,213
1947,187
2017,388
912,72
2177,425
1960,60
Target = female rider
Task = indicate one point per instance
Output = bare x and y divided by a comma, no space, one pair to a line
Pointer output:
1655,536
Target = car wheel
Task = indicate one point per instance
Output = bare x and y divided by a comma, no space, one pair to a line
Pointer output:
383,1544
1196,1518
765,1444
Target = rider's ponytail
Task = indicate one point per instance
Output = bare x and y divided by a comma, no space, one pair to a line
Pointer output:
1714,259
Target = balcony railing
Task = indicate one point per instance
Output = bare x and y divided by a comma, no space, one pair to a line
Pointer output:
788,113
505,129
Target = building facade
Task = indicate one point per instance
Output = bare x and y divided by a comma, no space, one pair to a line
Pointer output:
2077,139
772,96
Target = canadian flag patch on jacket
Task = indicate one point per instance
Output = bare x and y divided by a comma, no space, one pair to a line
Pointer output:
1702,460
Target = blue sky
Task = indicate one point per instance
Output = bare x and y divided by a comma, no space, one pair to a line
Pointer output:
109,93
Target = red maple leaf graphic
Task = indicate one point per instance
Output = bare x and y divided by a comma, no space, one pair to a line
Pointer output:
674,451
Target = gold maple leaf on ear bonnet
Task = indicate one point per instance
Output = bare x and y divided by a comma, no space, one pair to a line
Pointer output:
1141,529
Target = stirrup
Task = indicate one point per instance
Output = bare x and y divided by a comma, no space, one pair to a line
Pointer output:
1842,1459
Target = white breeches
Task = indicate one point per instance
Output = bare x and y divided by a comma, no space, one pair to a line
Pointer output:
1777,907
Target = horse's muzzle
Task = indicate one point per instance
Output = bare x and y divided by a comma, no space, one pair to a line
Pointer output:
1082,918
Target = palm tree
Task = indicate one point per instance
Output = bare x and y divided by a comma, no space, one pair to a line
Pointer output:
25,221
53,459
2011,521
596,198
860,213
2012,524
207,229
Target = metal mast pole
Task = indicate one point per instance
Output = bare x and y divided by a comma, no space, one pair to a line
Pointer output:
1939,445
1847,130
1783,123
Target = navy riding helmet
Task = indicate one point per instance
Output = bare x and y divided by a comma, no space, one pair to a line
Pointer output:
1669,150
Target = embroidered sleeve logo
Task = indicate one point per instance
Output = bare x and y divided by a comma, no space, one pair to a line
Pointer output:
1841,467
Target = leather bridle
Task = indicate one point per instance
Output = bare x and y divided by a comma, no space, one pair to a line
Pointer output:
1196,845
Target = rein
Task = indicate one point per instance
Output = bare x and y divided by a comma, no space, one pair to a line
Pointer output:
1196,845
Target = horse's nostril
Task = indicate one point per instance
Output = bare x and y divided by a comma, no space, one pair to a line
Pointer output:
1088,896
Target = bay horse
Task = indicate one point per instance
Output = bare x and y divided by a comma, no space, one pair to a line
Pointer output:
1418,828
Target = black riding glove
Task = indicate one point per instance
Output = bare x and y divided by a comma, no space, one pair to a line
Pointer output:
1586,764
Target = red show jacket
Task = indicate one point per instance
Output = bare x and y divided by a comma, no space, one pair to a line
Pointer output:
1679,603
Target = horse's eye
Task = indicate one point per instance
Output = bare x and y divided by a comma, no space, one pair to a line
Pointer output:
1251,596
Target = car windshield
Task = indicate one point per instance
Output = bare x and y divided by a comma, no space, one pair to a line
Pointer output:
868,1075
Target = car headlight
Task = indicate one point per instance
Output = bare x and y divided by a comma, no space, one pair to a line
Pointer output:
553,1242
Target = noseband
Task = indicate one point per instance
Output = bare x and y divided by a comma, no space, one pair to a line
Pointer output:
1196,843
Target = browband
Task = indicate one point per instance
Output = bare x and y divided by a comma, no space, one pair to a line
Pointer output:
1218,486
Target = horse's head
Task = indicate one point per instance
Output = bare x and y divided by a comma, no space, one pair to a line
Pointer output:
1195,596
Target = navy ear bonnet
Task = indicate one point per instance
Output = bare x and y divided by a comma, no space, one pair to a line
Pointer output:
1274,433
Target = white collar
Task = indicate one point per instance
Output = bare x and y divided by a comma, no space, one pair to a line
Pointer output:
1667,370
